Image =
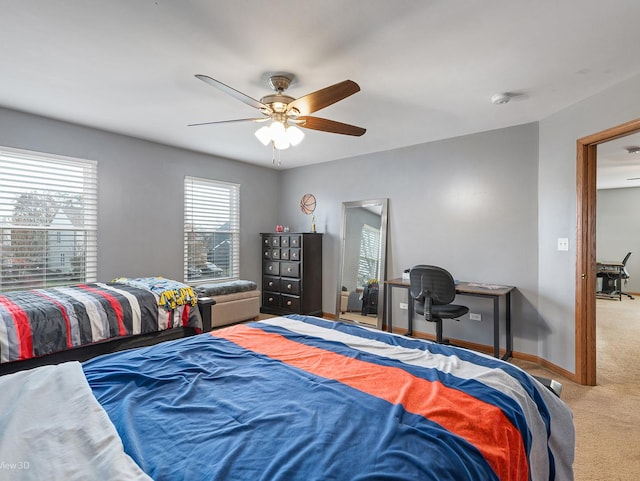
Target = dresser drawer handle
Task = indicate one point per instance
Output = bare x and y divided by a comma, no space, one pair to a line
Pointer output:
289,286
289,303
289,269
270,268
271,299
270,283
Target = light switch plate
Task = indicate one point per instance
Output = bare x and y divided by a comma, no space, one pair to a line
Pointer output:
563,244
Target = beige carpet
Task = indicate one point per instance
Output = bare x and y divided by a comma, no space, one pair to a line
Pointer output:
607,416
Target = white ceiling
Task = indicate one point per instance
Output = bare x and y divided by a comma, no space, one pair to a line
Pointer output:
617,167
427,69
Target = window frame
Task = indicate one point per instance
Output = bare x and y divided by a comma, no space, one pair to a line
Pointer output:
369,238
66,189
202,197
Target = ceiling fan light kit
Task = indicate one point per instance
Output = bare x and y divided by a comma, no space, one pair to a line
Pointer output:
499,99
281,136
287,113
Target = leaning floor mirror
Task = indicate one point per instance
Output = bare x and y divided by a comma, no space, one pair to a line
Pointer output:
362,262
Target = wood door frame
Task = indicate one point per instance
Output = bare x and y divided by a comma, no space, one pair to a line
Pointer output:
586,176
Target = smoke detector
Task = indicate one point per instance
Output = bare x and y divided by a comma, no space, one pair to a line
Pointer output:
498,99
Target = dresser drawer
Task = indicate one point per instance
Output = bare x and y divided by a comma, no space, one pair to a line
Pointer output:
290,269
284,241
294,254
284,254
270,283
271,268
275,241
290,286
270,299
290,303
294,241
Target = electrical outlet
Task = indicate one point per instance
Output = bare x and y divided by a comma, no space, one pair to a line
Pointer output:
404,305
475,317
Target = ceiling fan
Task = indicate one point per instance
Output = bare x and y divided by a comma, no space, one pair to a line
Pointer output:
287,113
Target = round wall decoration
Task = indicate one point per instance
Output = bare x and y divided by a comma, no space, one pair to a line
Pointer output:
308,203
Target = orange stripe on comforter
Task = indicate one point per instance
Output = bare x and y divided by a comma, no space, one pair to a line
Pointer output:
483,425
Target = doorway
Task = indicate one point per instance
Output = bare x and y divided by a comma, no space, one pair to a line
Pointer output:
585,308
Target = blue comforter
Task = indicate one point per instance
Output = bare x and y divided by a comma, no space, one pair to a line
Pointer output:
306,399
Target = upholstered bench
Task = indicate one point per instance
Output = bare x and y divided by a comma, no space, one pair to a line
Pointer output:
235,301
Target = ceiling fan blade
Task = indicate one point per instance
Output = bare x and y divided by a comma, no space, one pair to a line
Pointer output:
260,119
316,123
324,97
233,92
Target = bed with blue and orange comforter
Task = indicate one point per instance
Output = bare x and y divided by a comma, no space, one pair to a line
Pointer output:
301,398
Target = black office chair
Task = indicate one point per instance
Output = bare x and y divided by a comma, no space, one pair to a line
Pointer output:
614,277
432,290
370,300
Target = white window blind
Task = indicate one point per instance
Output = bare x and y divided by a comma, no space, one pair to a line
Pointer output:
211,230
48,220
369,254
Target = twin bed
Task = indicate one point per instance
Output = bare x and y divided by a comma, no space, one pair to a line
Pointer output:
286,398
43,326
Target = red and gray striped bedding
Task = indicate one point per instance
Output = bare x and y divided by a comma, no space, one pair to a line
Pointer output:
43,321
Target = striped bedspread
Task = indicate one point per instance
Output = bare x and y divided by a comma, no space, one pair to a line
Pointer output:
301,398
42,321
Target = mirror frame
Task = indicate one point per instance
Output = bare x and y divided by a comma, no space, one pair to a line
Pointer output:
384,203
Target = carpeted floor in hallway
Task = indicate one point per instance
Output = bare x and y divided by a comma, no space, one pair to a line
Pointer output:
607,416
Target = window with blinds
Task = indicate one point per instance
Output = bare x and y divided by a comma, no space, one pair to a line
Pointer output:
368,265
211,230
48,220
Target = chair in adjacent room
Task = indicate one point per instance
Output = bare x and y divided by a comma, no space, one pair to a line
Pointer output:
614,278
432,290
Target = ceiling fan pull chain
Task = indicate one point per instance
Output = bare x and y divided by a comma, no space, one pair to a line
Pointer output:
273,154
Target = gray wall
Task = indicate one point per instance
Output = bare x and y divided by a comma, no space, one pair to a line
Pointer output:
468,204
140,194
557,210
618,230
488,207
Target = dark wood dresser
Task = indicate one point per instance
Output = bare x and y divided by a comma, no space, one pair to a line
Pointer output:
292,273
